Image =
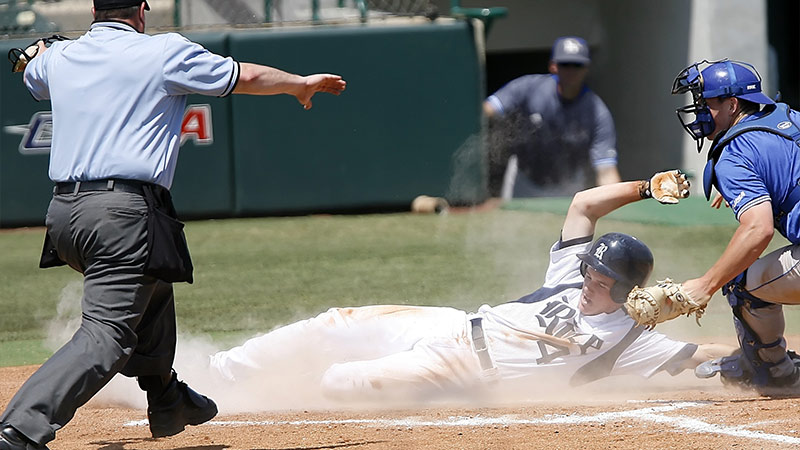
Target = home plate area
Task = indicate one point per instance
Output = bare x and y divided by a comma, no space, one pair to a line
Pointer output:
744,422
688,414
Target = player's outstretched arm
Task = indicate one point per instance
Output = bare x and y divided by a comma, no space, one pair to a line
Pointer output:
255,79
590,205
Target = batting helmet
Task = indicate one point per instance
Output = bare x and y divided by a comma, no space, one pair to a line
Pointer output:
622,257
720,79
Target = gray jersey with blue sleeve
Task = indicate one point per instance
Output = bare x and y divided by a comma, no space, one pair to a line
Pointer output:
563,140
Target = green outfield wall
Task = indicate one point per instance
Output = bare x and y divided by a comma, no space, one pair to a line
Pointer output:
408,124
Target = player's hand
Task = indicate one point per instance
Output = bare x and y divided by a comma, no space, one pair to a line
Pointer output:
327,83
669,187
717,201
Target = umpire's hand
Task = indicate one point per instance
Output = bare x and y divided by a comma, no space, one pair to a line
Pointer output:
331,84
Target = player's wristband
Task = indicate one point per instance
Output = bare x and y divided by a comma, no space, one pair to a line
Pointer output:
644,189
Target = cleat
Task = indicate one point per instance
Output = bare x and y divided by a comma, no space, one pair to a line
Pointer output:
177,407
11,439
730,368
708,369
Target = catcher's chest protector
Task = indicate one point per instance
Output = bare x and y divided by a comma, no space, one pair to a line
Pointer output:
777,122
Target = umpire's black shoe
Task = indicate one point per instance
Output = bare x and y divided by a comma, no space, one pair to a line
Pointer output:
11,439
177,407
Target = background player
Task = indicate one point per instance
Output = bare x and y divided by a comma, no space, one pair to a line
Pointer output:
754,163
571,331
118,97
556,136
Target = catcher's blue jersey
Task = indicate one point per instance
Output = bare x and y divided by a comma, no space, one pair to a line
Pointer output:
760,166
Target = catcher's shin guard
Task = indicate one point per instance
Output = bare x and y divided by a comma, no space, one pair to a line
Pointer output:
748,368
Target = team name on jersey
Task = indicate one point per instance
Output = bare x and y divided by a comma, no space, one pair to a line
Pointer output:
37,135
557,319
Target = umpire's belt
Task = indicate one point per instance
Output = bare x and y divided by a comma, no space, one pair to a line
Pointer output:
479,344
114,185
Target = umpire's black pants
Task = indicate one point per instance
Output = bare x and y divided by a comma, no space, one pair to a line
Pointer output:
128,318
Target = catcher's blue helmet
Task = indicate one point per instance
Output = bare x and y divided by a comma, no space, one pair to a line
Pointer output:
720,79
621,257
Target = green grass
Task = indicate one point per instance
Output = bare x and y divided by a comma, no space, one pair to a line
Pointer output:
254,274
690,211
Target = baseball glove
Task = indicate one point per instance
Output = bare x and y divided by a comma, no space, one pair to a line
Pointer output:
19,58
666,187
666,300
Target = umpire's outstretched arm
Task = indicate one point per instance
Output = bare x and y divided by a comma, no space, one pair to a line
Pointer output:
255,79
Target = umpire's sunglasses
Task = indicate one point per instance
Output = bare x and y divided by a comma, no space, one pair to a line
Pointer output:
571,65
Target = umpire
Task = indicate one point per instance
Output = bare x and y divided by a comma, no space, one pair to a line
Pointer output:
118,98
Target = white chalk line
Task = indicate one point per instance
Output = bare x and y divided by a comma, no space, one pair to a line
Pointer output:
651,414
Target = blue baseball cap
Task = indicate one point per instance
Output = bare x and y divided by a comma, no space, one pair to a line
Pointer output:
571,49
101,5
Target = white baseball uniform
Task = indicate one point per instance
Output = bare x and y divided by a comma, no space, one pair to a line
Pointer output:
402,351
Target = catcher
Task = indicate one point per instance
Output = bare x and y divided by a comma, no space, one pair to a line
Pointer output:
571,331
755,166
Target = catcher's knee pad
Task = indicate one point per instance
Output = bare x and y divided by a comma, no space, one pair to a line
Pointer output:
738,296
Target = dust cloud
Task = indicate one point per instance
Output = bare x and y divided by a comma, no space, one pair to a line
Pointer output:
468,168
284,388
68,316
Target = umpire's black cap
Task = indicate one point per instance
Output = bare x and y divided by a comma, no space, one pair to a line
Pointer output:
100,5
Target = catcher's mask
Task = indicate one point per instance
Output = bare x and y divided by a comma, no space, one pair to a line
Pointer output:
723,79
622,257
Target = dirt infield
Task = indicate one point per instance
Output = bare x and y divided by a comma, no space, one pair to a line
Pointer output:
675,413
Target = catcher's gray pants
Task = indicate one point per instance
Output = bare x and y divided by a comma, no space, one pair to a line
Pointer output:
128,319
774,278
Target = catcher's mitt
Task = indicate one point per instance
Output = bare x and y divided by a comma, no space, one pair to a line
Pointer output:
666,187
666,300
19,58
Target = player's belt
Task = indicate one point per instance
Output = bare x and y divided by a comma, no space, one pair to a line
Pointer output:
479,344
109,185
